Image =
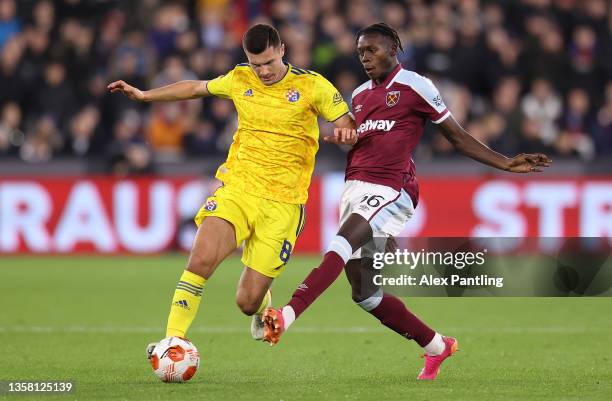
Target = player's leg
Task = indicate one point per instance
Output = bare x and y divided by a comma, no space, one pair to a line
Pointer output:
389,309
358,275
266,253
253,292
214,241
222,225
354,233
392,313
253,296
359,204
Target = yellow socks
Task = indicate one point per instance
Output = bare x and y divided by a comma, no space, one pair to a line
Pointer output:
185,303
264,303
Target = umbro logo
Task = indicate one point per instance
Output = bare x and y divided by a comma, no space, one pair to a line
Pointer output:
358,108
248,92
182,304
302,287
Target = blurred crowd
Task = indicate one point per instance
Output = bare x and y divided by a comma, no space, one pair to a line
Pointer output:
520,75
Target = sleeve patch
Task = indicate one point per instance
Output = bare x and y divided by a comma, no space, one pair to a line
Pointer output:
337,98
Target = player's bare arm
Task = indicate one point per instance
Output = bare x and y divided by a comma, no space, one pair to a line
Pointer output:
344,131
182,90
469,146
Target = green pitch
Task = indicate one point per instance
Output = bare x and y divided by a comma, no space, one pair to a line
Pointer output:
89,319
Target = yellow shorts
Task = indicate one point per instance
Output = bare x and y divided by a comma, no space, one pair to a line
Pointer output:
268,228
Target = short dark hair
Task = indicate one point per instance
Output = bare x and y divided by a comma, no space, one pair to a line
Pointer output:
259,37
382,29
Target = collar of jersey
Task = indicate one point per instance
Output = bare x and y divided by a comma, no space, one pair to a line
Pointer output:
389,78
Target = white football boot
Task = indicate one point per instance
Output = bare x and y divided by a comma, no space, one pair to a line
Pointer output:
257,325
150,349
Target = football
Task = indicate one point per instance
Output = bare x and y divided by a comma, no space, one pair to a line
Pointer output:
175,360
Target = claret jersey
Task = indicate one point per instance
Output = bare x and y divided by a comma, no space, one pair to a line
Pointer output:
390,118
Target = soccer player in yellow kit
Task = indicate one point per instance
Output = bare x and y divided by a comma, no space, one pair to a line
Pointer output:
265,177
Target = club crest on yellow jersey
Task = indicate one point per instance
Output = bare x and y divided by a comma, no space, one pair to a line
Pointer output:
210,205
293,95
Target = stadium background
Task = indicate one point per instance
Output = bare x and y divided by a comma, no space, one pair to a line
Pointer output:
84,170
84,173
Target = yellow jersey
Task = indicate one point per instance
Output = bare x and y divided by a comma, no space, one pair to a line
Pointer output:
273,151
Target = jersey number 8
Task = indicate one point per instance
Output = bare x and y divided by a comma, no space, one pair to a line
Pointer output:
285,252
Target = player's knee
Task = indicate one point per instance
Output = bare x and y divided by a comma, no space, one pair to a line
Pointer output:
357,297
247,305
368,303
357,293
201,263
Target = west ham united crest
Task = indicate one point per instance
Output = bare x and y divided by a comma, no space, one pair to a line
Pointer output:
392,98
293,95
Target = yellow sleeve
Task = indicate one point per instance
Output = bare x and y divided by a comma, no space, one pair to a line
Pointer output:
328,100
222,85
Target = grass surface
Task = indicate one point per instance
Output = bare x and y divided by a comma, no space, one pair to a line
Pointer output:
89,319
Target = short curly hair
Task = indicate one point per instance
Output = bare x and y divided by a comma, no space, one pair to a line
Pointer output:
382,29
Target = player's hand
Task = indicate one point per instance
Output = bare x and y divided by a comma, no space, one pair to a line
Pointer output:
128,90
342,136
528,163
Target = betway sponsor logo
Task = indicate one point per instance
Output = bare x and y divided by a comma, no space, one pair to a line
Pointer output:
371,125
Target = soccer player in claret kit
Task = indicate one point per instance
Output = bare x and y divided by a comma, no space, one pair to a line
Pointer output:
381,189
265,177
